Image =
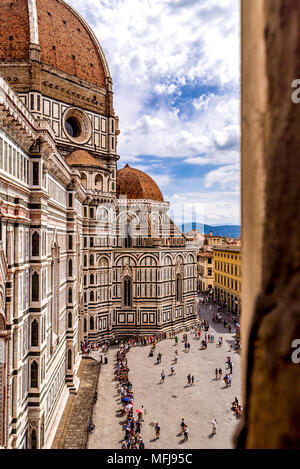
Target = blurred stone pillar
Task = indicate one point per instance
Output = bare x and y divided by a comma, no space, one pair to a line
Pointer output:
270,320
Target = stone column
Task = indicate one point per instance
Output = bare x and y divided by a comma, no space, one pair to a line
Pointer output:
270,223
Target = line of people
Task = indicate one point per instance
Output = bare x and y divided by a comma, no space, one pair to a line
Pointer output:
133,425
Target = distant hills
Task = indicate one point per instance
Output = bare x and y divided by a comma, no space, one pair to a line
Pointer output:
227,231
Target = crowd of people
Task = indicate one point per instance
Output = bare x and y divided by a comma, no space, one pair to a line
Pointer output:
135,418
133,424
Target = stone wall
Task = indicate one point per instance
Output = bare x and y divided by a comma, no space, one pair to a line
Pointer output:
271,223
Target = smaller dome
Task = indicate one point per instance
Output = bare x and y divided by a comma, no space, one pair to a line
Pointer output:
82,158
136,184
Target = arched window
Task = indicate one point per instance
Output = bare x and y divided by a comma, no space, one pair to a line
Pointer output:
92,296
127,241
70,320
127,294
70,295
34,368
178,288
98,182
35,294
91,259
92,279
69,359
84,280
83,179
91,323
34,333
35,244
70,268
33,440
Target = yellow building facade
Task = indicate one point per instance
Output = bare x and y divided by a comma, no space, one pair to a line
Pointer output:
227,277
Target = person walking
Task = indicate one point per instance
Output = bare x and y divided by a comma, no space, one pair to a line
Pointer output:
186,433
157,431
193,380
214,427
230,368
182,425
172,370
217,373
162,376
138,427
189,379
220,373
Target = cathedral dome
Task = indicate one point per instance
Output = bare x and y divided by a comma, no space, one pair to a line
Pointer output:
136,184
53,29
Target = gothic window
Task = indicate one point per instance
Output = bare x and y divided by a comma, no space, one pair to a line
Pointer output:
84,280
92,296
70,242
69,359
70,295
91,323
35,174
33,440
91,242
85,242
127,241
70,268
91,259
127,292
70,320
178,288
34,368
85,325
34,333
92,279
70,200
35,244
35,287
85,260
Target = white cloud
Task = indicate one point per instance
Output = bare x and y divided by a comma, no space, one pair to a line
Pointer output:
218,208
226,177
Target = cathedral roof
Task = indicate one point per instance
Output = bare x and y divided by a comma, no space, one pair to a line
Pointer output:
65,40
82,158
136,184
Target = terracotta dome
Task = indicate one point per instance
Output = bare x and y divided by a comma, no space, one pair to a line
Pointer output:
136,184
65,40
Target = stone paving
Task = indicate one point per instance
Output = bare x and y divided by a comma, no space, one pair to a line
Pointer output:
72,430
167,403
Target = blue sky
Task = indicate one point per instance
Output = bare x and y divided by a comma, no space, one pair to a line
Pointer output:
176,78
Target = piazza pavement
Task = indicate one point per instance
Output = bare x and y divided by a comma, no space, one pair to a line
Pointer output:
168,402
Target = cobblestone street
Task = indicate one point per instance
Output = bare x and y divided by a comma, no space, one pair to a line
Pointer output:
167,403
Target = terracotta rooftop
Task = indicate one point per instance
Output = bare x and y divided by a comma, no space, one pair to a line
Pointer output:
205,254
82,158
136,184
